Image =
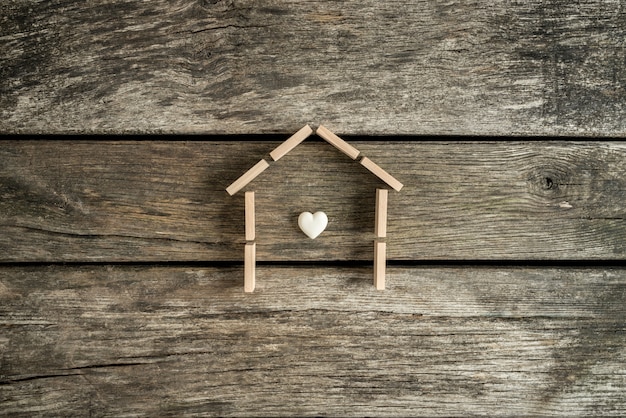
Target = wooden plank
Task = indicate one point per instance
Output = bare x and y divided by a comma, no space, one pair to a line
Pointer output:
337,142
395,67
293,141
381,174
98,340
380,264
249,267
247,177
249,216
380,216
154,201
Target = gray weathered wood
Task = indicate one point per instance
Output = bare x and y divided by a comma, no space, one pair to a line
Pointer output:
160,201
153,341
148,340
360,67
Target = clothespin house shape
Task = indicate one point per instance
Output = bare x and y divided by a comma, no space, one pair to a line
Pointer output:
380,226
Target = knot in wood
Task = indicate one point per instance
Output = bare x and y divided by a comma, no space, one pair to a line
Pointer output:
549,181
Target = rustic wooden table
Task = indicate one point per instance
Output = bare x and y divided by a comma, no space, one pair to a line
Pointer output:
121,273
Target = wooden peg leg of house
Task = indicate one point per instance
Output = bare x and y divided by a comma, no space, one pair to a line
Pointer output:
250,217
380,261
380,227
380,246
249,267
249,263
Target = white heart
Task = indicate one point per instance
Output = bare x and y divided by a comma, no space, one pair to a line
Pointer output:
312,224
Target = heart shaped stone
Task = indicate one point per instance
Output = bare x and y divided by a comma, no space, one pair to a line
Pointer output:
312,224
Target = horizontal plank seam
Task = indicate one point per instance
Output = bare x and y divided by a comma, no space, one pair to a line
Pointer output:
279,137
329,263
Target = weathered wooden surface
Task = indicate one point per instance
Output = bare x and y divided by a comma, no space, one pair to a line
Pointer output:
361,67
114,340
151,339
160,201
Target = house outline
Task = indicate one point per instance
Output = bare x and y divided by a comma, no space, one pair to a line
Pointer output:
380,225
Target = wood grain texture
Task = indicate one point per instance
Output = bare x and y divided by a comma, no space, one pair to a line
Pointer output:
380,264
165,201
249,267
381,174
337,142
292,142
359,67
247,177
249,216
113,341
380,214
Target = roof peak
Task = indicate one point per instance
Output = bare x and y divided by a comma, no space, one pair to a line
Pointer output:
295,140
